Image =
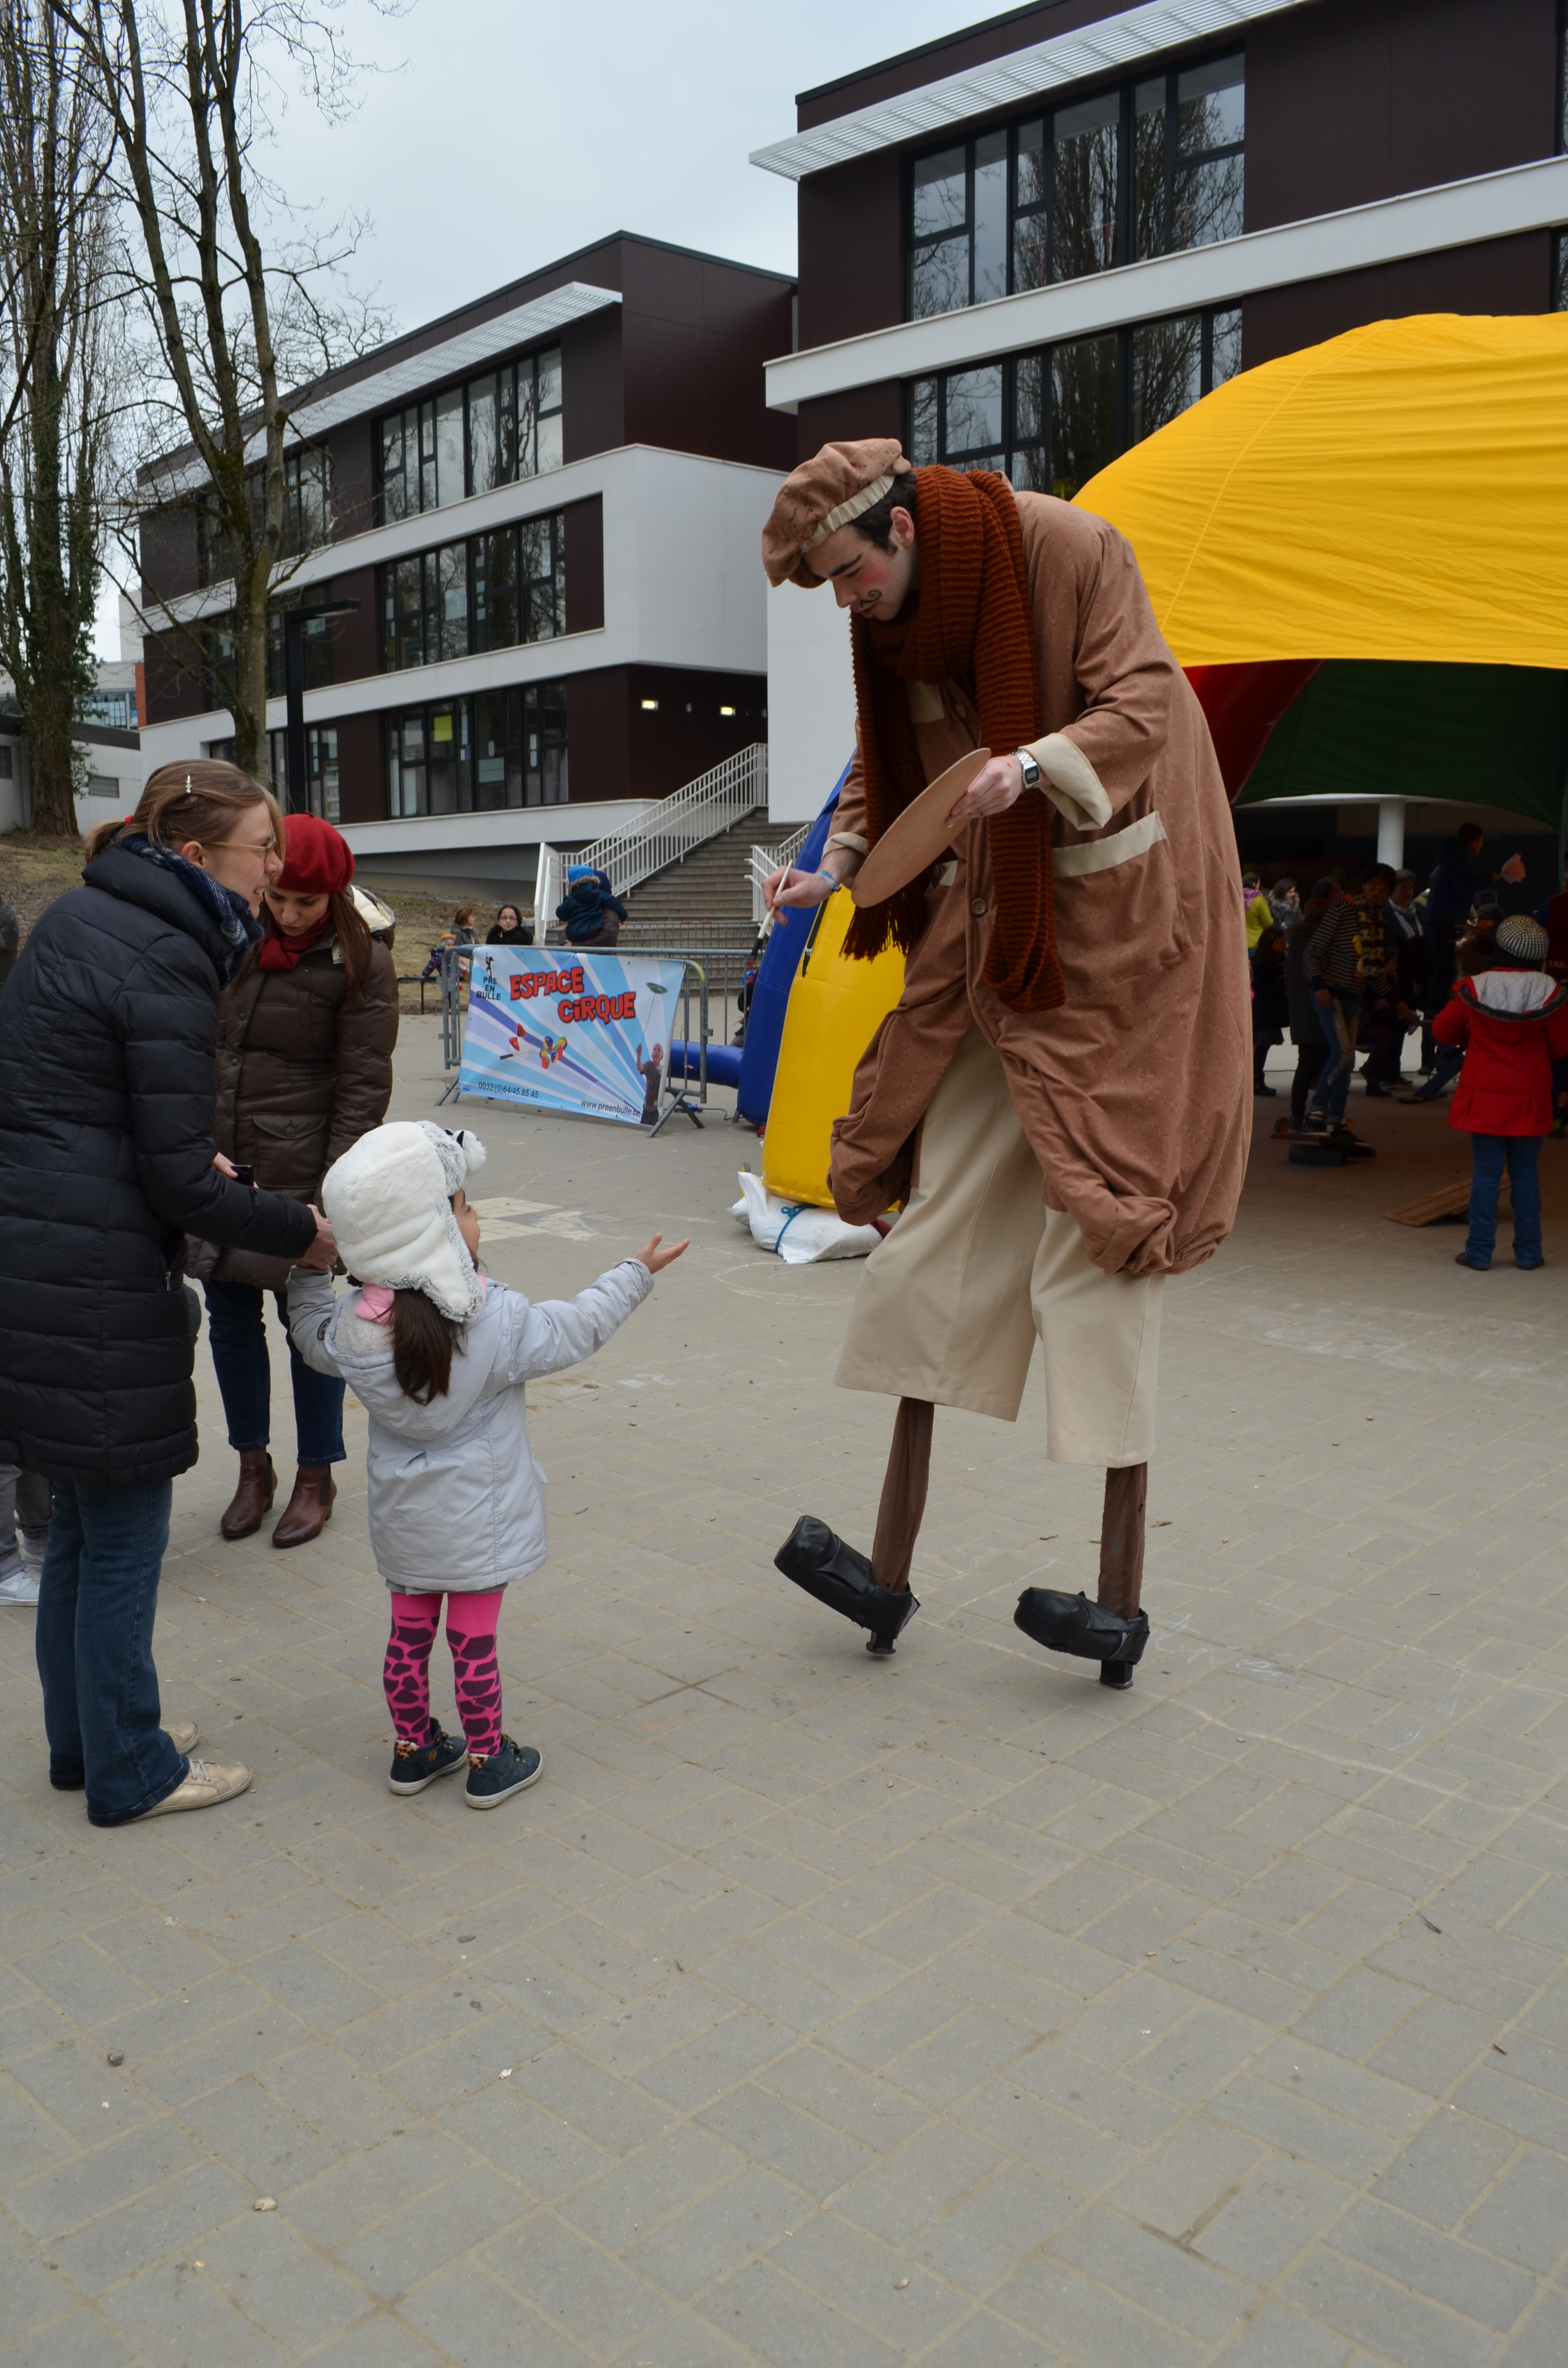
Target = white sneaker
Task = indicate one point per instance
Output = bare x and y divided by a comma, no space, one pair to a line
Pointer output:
20,1585
209,1781
184,1734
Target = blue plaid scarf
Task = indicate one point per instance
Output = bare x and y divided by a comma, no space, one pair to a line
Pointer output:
237,925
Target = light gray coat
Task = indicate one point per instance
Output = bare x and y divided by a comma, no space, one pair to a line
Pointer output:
456,1498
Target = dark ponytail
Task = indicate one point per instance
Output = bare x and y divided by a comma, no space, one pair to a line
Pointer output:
423,1342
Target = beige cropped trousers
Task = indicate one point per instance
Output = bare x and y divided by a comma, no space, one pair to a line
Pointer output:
976,1268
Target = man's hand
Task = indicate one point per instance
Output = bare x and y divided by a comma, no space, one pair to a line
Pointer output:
789,886
1514,870
1323,995
323,1253
655,1259
995,788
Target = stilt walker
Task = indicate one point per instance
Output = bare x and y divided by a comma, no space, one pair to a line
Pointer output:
1060,1099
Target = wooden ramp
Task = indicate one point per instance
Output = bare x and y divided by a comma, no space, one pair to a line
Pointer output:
1448,1203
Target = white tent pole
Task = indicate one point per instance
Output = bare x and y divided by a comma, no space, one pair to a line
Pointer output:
1391,832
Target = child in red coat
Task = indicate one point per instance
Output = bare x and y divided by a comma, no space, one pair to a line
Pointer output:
1514,1021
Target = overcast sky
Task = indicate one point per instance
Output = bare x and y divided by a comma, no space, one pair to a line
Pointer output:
495,135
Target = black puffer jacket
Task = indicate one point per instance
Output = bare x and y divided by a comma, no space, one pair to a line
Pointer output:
107,1031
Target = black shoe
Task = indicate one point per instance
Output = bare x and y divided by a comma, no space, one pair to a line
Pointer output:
1118,1674
1071,1624
1377,1091
1269,1092
414,1765
1463,1261
840,1576
494,1779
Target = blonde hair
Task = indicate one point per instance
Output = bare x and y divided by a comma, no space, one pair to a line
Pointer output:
203,799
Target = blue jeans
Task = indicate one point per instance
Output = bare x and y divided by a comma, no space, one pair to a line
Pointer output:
1339,1021
236,1327
93,1641
1521,1153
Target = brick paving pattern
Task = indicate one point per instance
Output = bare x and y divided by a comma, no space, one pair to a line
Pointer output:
798,2016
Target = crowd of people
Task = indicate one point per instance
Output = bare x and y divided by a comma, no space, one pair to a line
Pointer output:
196,1062
1487,992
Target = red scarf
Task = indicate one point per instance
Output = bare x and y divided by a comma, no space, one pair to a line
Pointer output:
278,952
972,618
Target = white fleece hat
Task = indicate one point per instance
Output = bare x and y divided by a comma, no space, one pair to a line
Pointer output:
389,1201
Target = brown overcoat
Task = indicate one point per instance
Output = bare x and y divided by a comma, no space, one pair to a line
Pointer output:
302,1074
1134,1094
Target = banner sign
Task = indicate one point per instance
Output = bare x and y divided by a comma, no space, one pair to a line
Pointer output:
586,1032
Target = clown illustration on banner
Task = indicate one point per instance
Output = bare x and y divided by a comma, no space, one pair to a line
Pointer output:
565,1030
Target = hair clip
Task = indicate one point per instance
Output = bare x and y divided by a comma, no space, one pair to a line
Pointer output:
187,785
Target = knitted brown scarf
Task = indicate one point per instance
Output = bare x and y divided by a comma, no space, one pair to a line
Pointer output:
970,617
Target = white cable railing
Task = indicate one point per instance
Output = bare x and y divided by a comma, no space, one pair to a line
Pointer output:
665,833
764,860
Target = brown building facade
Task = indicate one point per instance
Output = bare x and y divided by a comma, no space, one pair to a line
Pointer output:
546,506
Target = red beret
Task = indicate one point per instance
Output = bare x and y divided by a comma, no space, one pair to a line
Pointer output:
317,860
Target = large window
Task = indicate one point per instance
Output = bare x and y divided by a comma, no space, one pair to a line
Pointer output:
1137,171
1051,419
307,511
495,430
490,593
320,768
467,756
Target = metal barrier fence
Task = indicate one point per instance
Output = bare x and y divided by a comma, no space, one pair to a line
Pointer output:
714,982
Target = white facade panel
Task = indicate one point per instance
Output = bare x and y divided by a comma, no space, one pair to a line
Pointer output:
811,701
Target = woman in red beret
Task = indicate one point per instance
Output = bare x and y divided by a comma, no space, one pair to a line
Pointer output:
305,1038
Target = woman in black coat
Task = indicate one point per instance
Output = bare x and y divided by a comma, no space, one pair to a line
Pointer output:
509,928
107,1031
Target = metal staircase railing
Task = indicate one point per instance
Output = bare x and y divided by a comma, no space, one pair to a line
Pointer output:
764,860
665,833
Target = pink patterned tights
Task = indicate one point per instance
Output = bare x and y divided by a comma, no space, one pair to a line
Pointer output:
471,1621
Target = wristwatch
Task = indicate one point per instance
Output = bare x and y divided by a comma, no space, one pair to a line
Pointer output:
1032,775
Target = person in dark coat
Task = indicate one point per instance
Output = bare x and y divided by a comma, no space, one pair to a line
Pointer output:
10,930
1270,1004
590,912
305,1038
509,928
1451,891
107,1030
1306,1029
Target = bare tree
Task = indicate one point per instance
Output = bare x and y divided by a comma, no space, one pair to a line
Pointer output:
55,352
237,324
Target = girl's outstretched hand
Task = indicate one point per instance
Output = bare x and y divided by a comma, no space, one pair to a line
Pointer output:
655,1259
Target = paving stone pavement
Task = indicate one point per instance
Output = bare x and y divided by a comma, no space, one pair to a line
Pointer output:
797,2016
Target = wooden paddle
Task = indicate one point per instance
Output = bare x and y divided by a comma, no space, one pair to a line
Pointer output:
921,832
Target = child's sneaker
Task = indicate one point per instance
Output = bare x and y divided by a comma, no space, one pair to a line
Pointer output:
495,1778
414,1765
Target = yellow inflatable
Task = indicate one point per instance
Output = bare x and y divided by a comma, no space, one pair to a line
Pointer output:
835,1008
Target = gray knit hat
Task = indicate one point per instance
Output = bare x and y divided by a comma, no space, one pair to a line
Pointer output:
1520,939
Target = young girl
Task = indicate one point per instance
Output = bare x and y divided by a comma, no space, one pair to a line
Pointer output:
438,1356
1513,1019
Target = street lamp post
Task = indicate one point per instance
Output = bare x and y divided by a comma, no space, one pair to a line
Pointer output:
297,793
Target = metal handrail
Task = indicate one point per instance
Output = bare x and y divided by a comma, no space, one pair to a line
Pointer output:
665,832
764,860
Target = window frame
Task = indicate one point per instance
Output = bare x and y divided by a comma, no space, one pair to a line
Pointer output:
415,422
1004,456
468,560
536,723
1042,210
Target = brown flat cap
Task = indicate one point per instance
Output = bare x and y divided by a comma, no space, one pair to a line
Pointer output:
820,496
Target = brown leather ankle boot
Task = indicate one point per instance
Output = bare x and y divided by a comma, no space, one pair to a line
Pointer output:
253,1498
308,1509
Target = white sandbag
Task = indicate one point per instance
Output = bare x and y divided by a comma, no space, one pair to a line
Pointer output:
801,1235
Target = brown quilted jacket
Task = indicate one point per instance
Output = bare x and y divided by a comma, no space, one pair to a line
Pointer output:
302,1076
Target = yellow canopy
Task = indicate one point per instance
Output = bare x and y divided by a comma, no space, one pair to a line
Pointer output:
1401,492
